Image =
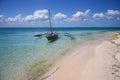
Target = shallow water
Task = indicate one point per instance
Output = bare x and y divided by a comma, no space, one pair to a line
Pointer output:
19,49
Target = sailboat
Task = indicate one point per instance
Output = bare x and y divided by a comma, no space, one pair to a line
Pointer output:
51,36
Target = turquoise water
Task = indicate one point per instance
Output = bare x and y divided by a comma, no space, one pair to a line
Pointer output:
19,49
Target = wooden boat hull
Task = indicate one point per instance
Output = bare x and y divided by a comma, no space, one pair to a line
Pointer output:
52,36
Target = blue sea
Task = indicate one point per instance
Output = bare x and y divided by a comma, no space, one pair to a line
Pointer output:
19,49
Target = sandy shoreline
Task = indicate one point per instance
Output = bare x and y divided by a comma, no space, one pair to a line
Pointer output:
90,62
70,68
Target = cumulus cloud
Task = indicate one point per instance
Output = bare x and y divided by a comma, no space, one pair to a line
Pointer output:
1,18
29,18
98,15
109,14
80,16
118,18
39,15
59,16
42,16
113,12
17,18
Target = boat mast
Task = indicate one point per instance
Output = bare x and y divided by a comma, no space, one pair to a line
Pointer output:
50,22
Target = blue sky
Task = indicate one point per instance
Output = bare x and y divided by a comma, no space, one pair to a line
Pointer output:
65,13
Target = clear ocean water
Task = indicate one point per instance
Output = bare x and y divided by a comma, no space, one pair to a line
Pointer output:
19,49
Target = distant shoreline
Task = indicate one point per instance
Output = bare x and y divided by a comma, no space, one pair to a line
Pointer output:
64,28
69,27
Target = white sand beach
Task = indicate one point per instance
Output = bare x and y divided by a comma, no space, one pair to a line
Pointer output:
96,61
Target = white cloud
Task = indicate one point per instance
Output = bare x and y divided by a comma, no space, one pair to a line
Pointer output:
113,12
42,16
1,18
80,16
17,18
118,18
39,15
59,16
98,15
109,14
29,18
